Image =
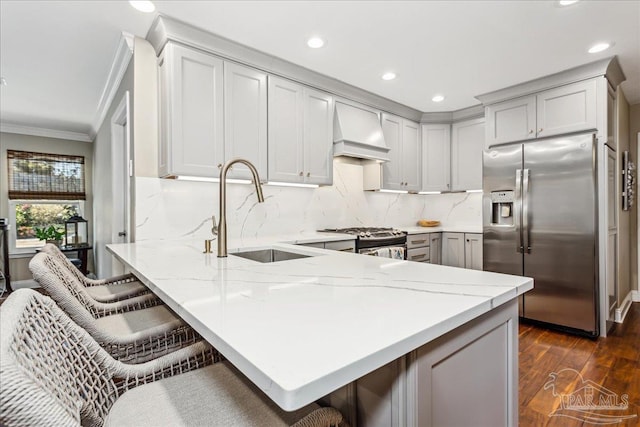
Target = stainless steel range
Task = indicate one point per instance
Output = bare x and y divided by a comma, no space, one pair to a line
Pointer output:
374,240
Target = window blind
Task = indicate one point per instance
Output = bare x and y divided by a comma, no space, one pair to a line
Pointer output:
45,176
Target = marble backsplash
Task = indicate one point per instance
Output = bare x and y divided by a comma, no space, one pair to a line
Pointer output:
174,209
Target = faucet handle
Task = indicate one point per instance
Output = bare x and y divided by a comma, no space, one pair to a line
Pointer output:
214,228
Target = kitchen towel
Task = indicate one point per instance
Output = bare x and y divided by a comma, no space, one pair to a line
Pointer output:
397,252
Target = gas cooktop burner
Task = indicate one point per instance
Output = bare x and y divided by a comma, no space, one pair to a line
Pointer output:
368,232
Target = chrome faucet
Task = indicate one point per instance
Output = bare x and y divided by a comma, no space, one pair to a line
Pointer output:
222,226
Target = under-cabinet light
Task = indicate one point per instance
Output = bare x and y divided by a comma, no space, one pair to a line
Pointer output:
393,191
474,191
567,2
291,184
205,179
388,76
430,192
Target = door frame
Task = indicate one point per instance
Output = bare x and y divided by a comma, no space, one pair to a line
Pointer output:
121,152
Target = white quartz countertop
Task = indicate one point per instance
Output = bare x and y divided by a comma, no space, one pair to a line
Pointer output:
302,328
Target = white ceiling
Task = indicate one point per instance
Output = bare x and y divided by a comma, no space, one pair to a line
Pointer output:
56,55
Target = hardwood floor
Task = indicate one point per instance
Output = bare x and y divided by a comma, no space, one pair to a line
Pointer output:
612,362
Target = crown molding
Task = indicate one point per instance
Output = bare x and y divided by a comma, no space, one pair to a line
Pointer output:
116,73
47,133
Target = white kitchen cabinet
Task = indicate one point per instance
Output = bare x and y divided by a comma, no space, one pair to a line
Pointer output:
191,113
245,118
300,133
210,111
435,248
462,250
513,120
418,247
565,109
436,157
473,251
467,144
403,171
453,249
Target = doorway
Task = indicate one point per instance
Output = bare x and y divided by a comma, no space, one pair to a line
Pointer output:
121,179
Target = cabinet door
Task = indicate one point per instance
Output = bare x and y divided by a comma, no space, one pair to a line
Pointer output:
435,244
566,109
436,161
285,130
509,121
342,246
473,251
467,143
318,137
194,112
245,118
411,166
453,249
392,170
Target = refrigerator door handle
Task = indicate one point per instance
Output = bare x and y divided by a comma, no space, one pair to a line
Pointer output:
518,210
525,211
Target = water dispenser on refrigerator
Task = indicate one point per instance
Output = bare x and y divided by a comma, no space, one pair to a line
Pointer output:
502,208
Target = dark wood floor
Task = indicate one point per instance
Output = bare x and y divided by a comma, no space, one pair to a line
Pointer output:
612,362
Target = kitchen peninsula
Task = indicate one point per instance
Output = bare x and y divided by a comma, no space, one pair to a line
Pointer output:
330,322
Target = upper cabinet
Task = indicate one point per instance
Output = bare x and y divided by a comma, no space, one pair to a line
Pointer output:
565,109
436,157
300,133
191,113
210,111
403,171
466,154
245,118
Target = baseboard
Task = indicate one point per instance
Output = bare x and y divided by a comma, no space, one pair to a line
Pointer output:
621,312
635,296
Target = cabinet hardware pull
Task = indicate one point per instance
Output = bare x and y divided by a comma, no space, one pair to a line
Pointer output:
530,131
418,256
308,174
539,130
419,241
219,165
301,174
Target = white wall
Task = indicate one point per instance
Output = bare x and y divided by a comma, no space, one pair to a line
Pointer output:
169,209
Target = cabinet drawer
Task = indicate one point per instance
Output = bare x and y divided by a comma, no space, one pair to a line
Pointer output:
418,254
343,246
417,240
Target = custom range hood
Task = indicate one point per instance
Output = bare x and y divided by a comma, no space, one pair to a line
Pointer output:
357,133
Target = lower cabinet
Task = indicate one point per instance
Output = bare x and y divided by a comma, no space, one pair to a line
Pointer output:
418,247
467,377
462,250
435,248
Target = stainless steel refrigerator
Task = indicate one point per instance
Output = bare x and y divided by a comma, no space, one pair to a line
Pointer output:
540,221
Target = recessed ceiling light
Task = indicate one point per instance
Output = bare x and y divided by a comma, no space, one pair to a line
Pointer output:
143,6
438,98
567,2
388,76
599,47
315,42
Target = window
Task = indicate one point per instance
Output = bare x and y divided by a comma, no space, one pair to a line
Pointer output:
44,190
27,215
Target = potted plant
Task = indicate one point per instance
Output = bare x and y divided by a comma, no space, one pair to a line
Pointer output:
49,234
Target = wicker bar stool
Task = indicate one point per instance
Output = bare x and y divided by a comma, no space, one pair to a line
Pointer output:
53,373
133,331
104,290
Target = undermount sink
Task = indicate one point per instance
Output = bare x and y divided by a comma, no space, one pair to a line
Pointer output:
269,255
